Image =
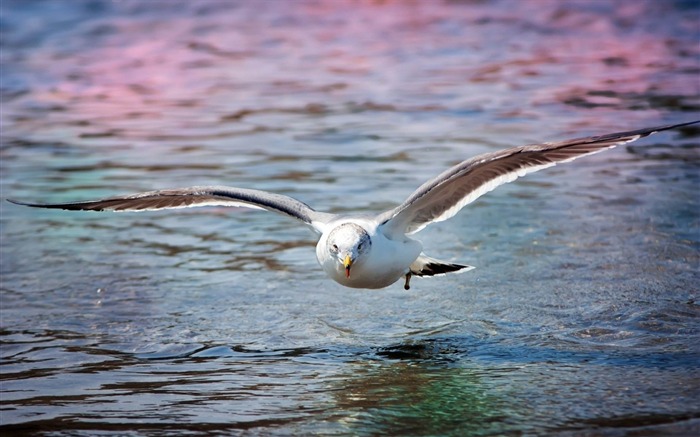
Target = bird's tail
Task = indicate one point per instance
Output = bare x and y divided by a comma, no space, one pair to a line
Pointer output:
427,266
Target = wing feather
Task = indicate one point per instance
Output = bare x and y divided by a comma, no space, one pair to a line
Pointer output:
199,196
444,196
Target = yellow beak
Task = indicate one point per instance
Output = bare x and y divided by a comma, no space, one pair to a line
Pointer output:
347,263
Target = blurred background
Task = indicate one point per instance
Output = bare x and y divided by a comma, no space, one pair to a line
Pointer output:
581,317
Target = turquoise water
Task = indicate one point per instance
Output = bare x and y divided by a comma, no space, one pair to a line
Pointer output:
581,317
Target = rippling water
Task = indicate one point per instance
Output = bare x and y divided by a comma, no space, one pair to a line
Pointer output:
580,319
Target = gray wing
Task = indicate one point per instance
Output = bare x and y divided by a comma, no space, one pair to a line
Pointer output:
199,196
442,197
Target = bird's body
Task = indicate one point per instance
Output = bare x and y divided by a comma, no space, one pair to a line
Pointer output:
374,251
393,255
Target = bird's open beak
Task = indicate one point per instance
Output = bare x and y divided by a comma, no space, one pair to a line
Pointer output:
347,263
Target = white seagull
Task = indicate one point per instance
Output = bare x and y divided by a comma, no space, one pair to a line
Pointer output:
375,251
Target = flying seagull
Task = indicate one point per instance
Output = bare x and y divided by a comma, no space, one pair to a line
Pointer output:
375,251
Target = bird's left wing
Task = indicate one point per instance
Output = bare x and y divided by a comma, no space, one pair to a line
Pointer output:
442,197
199,196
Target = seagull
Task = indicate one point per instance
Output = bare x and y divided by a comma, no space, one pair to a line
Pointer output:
376,250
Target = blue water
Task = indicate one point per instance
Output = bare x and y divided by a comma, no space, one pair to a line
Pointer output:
581,318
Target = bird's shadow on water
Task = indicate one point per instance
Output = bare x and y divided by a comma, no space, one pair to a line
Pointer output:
443,350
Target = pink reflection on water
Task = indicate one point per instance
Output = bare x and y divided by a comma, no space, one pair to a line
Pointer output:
186,72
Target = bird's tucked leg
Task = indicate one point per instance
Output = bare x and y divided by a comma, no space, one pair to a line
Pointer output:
406,286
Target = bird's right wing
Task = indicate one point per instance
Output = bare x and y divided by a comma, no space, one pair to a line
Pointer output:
444,196
199,196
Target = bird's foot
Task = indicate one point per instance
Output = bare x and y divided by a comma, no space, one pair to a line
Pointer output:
406,286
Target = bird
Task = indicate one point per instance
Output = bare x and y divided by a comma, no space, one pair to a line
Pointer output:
373,251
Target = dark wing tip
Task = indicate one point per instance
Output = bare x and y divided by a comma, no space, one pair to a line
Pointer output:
649,131
66,206
652,130
19,202
680,124
626,136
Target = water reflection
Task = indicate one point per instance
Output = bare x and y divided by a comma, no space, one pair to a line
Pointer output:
407,398
437,386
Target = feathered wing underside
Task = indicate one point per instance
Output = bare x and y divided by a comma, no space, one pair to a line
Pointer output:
199,196
442,197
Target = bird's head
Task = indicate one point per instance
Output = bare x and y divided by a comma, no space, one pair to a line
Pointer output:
348,244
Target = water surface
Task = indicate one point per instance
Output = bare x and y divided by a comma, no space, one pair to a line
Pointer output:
581,317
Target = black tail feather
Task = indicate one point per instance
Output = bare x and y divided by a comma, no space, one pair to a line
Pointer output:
426,266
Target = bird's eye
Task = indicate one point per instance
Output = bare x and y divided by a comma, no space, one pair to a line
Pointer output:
334,247
359,247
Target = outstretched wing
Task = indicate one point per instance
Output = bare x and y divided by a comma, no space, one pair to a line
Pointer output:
199,196
442,197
